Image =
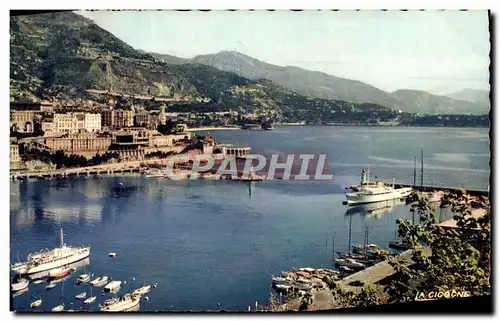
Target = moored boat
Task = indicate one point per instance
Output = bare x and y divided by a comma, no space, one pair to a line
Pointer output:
58,308
279,279
36,303
358,257
81,296
55,258
112,286
399,245
142,290
369,249
370,192
351,263
283,287
51,285
100,281
90,300
20,285
126,303
83,278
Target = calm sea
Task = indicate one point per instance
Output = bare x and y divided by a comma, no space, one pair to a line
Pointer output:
210,243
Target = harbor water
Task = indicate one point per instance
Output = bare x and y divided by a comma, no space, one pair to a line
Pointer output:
216,243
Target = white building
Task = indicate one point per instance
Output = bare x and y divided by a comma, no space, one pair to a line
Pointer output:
77,122
93,122
65,123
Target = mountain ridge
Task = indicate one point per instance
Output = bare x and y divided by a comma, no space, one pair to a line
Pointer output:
319,84
62,55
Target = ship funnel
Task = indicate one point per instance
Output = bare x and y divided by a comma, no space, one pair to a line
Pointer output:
363,177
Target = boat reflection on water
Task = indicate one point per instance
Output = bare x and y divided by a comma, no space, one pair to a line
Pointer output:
374,210
45,274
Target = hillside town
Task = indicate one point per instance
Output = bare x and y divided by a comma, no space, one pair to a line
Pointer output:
86,131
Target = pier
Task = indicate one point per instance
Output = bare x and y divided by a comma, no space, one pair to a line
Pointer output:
126,167
431,188
377,273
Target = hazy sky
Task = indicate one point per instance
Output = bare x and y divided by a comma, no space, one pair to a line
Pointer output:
437,51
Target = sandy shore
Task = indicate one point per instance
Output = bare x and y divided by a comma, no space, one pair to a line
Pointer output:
211,128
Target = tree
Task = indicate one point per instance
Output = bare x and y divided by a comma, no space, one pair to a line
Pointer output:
460,257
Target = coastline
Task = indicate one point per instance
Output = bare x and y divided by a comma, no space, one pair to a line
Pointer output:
196,129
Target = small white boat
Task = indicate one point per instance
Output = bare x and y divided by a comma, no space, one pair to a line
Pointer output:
90,300
370,249
351,263
51,286
20,285
58,308
36,303
142,290
83,278
38,281
112,254
126,303
100,281
278,279
283,287
112,286
81,296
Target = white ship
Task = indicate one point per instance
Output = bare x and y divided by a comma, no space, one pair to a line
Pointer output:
55,258
126,303
369,192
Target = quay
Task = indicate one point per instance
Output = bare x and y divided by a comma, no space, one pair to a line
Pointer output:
125,167
379,273
430,188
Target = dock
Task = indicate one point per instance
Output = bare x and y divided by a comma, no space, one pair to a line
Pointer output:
431,188
377,273
451,223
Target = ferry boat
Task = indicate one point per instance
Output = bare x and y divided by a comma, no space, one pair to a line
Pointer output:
128,302
370,192
55,258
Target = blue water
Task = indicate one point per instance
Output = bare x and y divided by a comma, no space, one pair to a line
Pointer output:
209,242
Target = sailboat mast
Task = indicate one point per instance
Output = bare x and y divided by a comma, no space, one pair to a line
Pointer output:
422,170
415,173
366,241
350,225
